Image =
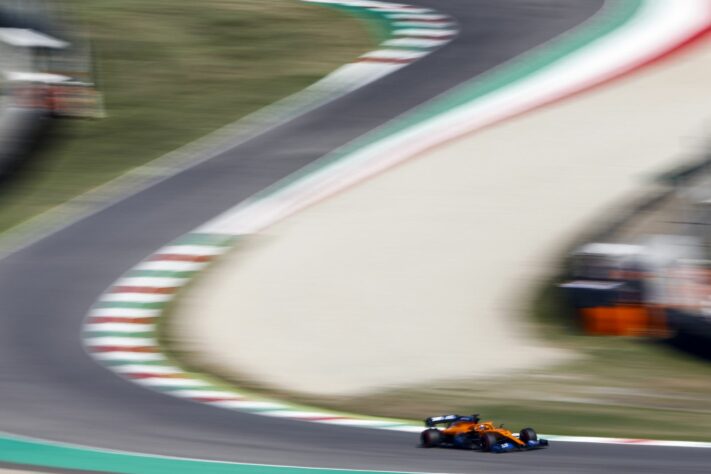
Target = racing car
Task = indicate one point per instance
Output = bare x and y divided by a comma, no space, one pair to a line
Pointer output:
469,432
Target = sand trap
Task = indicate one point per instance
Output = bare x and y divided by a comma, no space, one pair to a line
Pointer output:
424,272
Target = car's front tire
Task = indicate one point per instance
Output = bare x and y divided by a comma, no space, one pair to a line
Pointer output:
431,438
488,441
528,434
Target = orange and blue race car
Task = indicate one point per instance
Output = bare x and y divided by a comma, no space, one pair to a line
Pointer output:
469,432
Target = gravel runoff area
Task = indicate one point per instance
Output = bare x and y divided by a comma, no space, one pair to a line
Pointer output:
425,272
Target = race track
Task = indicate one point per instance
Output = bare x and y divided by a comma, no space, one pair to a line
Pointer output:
52,389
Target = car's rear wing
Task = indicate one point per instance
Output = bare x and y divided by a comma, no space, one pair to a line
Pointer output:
433,421
438,420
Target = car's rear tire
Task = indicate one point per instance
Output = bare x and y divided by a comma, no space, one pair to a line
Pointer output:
528,434
488,441
431,438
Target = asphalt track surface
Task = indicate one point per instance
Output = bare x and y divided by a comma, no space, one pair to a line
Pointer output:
50,388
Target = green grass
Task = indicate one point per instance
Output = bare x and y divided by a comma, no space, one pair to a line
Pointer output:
173,71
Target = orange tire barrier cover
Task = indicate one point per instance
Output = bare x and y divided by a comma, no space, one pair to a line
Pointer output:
623,320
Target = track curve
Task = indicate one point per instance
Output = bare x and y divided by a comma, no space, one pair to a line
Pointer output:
52,389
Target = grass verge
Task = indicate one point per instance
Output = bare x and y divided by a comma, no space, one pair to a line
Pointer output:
172,72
